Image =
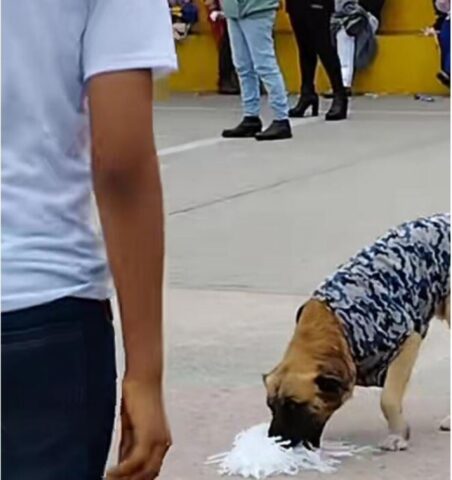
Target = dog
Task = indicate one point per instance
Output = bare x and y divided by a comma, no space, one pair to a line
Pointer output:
363,327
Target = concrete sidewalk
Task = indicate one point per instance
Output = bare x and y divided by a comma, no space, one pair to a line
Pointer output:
221,343
252,229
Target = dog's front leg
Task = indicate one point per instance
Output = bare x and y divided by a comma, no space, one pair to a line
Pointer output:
397,379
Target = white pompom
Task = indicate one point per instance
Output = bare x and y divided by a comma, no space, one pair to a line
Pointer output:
255,455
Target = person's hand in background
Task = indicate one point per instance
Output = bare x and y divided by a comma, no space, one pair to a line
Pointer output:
216,15
429,32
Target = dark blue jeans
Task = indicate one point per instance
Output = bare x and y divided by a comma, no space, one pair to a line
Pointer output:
444,42
58,391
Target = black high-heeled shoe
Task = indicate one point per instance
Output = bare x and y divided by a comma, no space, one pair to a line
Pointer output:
338,109
306,101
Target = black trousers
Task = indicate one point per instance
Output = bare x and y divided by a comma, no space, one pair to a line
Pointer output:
310,21
58,384
225,64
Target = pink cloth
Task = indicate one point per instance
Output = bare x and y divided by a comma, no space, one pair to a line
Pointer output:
443,6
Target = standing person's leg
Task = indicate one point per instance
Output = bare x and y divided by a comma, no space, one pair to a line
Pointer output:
228,82
258,32
228,63
322,10
59,388
447,48
299,15
346,51
444,41
249,83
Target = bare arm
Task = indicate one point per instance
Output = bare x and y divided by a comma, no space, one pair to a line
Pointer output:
129,195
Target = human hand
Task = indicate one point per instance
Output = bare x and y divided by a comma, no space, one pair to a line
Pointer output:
216,15
429,32
145,434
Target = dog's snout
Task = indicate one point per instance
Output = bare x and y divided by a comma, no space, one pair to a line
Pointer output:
277,431
296,426
273,431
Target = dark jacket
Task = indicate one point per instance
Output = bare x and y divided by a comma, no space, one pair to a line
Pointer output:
373,6
357,23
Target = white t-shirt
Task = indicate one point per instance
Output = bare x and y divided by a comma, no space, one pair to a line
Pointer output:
50,48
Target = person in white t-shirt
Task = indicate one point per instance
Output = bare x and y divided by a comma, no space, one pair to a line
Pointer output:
58,359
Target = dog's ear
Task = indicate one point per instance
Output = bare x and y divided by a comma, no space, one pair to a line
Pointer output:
330,384
298,314
264,378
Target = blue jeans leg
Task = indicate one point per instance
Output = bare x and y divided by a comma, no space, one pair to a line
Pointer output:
257,30
58,391
243,63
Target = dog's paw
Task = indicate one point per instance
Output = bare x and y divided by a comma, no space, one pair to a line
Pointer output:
394,443
445,424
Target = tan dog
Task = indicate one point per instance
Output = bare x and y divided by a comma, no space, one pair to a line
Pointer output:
323,362
317,375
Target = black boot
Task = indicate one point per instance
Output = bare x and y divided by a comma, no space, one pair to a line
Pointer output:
248,127
278,130
305,101
339,108
330,94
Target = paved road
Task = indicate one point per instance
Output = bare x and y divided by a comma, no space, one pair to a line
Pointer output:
252,228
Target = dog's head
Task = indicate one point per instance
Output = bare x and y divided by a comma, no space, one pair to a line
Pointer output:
314,379
302,403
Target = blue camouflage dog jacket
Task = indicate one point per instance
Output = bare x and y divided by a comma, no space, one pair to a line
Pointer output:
389,291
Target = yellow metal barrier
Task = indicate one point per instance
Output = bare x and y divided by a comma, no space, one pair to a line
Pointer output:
398,16
407,61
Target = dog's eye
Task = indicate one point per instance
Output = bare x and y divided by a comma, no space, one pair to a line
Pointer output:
329,384
293,405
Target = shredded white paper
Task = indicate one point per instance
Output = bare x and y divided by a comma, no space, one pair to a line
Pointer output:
255,455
